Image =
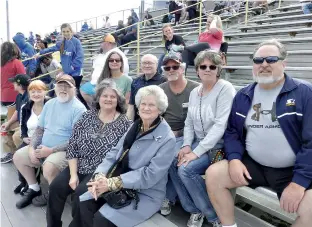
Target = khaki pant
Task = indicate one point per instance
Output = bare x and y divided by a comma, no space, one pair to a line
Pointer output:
12,142
58,159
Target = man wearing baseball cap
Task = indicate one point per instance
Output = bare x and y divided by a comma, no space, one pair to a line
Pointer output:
108,45
49,143
20,82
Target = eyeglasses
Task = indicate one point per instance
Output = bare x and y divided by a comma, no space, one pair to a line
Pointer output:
211,67
174,67
114,60
63,85
269,60
147,63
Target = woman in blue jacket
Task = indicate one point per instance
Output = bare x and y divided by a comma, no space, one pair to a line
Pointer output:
71,54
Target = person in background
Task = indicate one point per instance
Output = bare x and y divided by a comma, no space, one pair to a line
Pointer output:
211,38
49,142
170,39
134,15
120,31
131,32
91,27
174,9
191,10
20,83
148,151
148,19
106,23
30,113
84,27
107,46
27,51
102,127
150,77
31,39
10,67
184,14
114,69
306,6
41,45
177,89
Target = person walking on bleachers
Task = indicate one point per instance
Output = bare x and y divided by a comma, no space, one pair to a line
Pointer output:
10,67
177,89
108,45
169,39
10,145
131,32
27,51
145,153
208,111
84,27
150,77
49,141
211,38
102,127
306,6
268,140
30,113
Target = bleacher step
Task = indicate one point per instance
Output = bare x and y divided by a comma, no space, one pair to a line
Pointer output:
157,220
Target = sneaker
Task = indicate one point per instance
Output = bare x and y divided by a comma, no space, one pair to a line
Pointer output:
196,220
27,198
165,207
19,188
177,48
24,189
7,158
41,200
216,224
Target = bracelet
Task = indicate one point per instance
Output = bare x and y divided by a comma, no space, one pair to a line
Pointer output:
114,183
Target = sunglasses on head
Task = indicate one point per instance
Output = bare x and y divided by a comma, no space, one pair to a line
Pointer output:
114,60
269,60
167,68
211,67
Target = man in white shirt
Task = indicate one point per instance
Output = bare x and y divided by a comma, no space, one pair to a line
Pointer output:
49,65
107,23
107,46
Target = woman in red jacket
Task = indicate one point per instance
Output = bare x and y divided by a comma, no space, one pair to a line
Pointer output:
10,67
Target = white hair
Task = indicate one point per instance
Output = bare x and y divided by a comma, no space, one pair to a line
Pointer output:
155,59
157,92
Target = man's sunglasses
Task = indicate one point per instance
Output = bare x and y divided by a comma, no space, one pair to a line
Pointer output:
211,67
269,60
167,68
114,60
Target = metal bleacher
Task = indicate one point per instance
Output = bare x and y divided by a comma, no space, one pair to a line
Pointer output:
287,24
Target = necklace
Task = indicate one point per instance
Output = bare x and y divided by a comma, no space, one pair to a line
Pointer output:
104,123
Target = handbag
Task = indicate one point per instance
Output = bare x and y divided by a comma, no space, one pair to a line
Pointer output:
215,155
123,197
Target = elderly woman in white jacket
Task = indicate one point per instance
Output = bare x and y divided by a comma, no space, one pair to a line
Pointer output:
145,153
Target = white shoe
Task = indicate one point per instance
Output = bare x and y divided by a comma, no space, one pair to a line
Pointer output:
196,220
165,207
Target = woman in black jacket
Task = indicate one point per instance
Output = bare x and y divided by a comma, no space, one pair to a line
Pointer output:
30,113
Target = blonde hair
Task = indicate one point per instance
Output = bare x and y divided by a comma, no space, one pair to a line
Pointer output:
218,20
37,85
163,36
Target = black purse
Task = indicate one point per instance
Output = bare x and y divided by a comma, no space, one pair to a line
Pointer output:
215,155
120,198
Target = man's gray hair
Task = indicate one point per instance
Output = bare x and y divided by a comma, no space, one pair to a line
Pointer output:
212,56
109,83
157,92
273,42
155,59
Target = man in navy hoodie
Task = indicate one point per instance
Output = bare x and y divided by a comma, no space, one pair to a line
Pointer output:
27,51
268,140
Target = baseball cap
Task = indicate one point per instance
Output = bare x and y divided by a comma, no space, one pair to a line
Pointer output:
172,55
66,78
21,79
109,38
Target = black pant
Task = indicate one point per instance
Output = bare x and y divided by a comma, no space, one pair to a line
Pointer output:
78,80
192,13
128,38
190,53
91,217
59,189
176,18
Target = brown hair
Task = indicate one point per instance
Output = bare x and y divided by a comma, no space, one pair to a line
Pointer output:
9,52
106,72
65,25
163,36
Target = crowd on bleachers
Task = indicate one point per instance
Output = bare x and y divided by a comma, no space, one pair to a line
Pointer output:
126,148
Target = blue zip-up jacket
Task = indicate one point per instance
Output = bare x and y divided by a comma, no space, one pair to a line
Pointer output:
294,114
27,51
72,56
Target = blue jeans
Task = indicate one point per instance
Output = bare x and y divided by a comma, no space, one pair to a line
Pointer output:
307,8
160,61
191,187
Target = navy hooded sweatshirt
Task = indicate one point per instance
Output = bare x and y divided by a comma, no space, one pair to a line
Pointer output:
72,56
27,51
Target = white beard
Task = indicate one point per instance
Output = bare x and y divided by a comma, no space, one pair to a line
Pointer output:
266,79
63,99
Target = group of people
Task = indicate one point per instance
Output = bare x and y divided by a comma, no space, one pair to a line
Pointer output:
137,146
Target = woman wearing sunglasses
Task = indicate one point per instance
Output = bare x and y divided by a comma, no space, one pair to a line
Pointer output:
94,134
114,69
208,111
